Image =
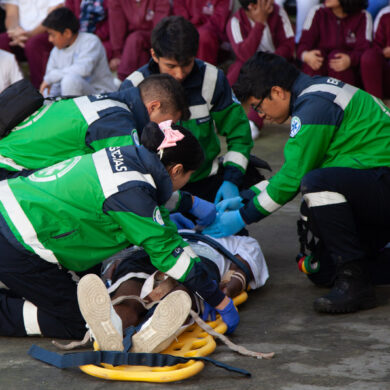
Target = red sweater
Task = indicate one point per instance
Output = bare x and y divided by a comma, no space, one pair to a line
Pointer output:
211,13
382,29
102,29
247,37
323,30
127,16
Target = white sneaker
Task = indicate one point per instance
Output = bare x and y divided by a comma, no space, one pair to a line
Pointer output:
164,325
99,314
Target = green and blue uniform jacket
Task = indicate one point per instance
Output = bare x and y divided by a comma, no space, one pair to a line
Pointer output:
214,111
333,125
85,209
73,127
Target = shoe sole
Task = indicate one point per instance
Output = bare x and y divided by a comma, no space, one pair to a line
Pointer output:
165,322
95,306
325,307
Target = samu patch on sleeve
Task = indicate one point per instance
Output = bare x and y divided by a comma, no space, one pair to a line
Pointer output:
295,126
157,216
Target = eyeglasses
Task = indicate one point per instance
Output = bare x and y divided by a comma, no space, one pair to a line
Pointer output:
257,107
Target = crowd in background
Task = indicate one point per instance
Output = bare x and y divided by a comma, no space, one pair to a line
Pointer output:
322,40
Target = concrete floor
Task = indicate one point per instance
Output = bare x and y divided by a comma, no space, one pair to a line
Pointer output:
313,352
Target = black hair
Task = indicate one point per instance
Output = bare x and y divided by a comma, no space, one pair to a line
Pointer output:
60,19
176,38
245,3
168,91
353,6
187,151
262,72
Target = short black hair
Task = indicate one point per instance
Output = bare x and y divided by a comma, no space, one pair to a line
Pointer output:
262,72
245,3
168,91
175,37
60,19
353,6
187,151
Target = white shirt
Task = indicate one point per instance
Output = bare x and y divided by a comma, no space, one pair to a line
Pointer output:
9,70
86,57
32,12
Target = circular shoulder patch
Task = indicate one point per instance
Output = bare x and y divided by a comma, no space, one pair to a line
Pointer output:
55,171
295,126
157,216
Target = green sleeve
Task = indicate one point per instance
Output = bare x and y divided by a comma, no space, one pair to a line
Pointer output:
158,236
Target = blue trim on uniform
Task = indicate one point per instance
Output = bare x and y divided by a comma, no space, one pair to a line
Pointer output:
250,214
185,203
233,174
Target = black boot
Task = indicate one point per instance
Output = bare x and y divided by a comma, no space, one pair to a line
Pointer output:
352,291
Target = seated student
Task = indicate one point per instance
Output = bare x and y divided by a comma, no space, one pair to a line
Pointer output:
77,64
131,273
25,36
62,221
86,124
210,18
303,7
375,62
259,26
9,70
93,16
131,23
337,156
214,110
334,37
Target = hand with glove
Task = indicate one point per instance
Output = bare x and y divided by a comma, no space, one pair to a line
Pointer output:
209,313
226,224
204,211
229,204
229,315
181,221
226,191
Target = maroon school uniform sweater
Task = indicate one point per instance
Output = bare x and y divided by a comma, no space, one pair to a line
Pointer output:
213,13
245,35
323,30
127,16
382,29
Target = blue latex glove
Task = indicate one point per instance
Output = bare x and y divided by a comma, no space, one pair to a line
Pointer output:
226,224
230,316
229,204
181,221
226,191
209,313
204,211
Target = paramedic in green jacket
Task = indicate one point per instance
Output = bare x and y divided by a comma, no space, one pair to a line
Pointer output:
62,221
86,124
214,110
337,156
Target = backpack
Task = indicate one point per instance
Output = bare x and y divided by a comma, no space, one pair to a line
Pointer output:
17,102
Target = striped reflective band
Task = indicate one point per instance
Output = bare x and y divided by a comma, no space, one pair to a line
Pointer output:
236,158
209,83
343,95
90,110
182,263
23,224
323,198
30,319
135,78
200,111
172,201
11,163
109,180
265,201
262,185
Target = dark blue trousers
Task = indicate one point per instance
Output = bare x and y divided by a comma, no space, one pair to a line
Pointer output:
349,211
51,293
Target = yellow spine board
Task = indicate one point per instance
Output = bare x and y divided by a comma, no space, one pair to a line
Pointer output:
193,342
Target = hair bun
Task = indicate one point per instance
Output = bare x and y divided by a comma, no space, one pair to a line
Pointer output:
152,136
